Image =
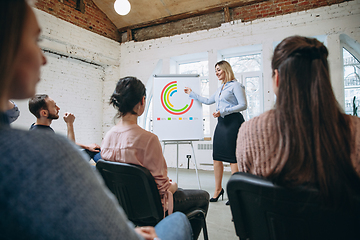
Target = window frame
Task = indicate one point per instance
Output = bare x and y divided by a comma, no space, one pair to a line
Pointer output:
193,58
357,87
244,51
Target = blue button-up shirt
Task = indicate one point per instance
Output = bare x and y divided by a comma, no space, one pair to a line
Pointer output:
229,99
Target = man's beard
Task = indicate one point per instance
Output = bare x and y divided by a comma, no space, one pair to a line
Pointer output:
53,116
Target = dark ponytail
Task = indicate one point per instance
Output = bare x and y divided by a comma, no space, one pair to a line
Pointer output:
129,91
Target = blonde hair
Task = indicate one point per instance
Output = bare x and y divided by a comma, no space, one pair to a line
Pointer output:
226,67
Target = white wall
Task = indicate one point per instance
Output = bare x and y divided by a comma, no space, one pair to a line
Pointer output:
84,67
139,59
79,63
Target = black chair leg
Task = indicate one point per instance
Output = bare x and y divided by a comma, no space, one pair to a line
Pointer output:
205,229
199,214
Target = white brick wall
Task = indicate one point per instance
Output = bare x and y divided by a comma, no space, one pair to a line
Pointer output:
139,58
79,64
76,86
84,88
111,78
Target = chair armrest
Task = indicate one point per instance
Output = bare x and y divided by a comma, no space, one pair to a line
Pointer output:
195,213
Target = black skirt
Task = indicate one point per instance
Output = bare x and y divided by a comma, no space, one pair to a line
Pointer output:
225,136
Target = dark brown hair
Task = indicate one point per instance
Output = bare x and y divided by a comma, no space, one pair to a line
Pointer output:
128,92
38,103
313,136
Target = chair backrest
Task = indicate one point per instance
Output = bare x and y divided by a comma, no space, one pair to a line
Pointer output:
263,210
135,189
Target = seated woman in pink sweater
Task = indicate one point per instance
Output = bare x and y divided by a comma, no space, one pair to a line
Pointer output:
306,139
128,142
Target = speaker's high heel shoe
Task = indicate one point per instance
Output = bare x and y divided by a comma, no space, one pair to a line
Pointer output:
220,194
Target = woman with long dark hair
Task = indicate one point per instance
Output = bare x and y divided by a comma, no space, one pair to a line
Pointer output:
306,139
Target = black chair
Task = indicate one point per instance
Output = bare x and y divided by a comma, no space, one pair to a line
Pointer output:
137,193
262,210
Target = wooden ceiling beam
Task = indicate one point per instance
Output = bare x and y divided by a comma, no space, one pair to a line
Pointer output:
227,14
129,35
190,14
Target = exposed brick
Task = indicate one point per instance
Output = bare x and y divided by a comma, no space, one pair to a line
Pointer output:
186,25
96,21
67,12
255,11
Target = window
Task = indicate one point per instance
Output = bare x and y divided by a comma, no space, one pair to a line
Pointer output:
200,67
247,70
351,82
246,63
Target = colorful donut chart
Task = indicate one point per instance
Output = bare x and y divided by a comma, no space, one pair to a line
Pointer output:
166,94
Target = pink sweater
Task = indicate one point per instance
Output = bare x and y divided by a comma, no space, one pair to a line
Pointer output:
255,136
132,144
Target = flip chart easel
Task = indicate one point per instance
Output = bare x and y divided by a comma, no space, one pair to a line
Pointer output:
177,118
177,157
